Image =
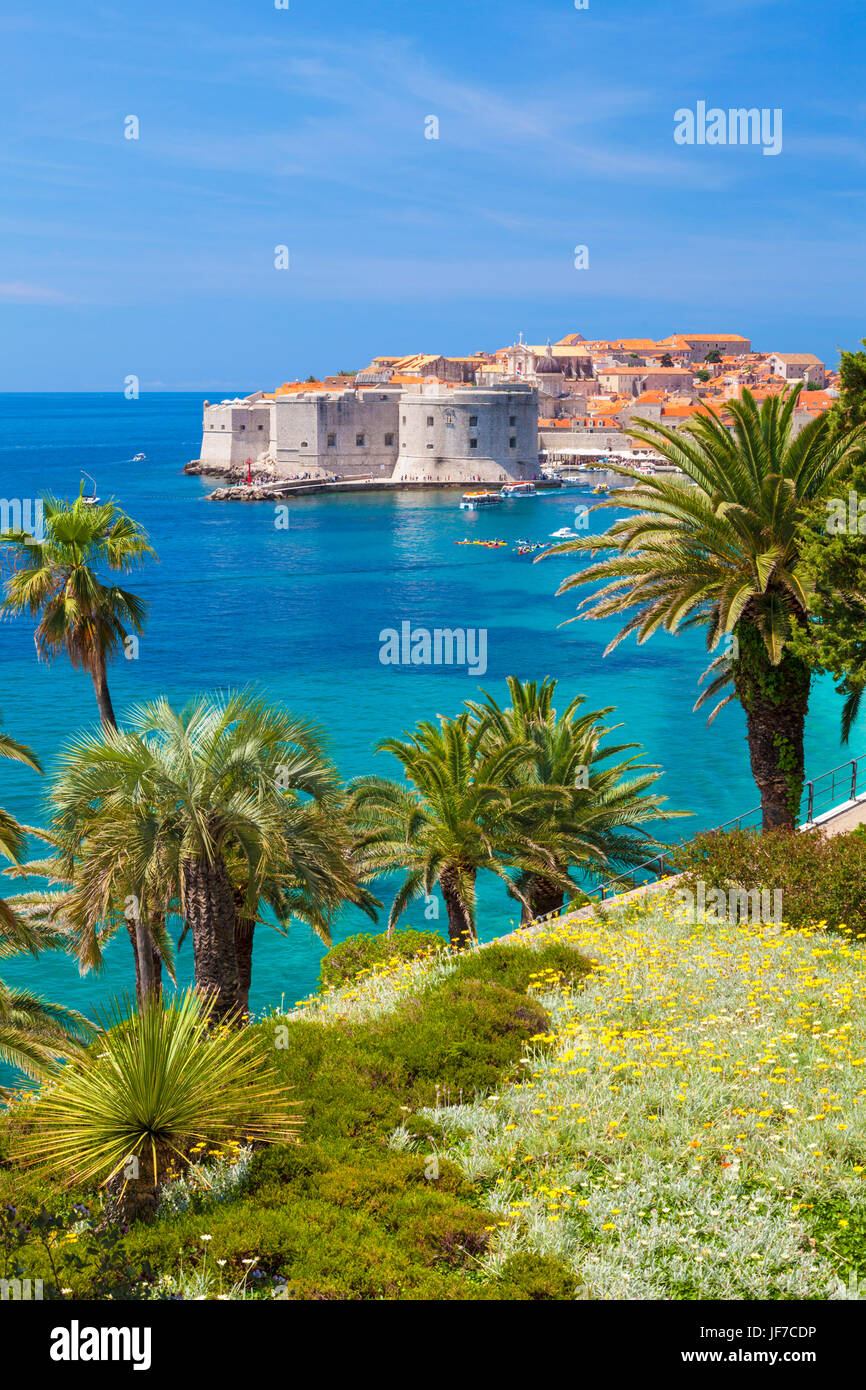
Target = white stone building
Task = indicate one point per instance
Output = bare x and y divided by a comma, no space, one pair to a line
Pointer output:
425,430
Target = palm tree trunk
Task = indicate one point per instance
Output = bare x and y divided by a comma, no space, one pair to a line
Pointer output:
210,910
148,961
543,896
244,932
461,929
99,676
130,927
775,700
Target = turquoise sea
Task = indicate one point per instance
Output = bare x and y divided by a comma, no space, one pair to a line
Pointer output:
298,612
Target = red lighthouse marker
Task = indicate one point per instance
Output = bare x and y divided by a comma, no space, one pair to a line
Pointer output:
249,473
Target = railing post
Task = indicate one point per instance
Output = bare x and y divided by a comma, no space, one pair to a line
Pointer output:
811,786
853,778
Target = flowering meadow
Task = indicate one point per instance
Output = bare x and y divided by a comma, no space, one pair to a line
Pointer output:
693,1125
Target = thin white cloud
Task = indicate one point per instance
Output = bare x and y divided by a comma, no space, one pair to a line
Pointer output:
20,292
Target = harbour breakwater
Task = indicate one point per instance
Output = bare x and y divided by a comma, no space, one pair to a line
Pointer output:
274,491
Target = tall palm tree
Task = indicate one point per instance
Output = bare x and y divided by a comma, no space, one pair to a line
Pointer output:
721,548
599,821
202,811
34,1033
459,815
57,580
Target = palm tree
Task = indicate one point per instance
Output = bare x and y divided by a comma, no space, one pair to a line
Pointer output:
460,815
312,876
721,548
34,1033
56,579
209,812
598,823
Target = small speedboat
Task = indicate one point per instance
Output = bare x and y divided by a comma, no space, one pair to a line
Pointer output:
139,458
564,533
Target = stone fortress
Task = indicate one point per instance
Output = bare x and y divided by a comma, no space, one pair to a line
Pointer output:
431,430
490,417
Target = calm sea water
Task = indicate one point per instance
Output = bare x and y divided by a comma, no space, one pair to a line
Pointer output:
298,612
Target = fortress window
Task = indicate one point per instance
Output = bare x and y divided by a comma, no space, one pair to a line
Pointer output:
430,446
389,440
404,419
473,421
222,427
304,444
512,419
473,443
429,421
261,427
332,441
243,427
360,440
512,443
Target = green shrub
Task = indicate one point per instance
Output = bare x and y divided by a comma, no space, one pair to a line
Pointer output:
530,1276
821,878
356,954
516,967
359,1080
363,1225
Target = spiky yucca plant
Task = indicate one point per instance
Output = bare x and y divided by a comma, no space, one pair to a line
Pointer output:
161,1082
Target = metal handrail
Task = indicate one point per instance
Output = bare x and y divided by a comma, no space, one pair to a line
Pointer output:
852,770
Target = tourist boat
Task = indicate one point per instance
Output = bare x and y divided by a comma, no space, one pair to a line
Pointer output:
601,491
474,501
139,458
564,533
518,490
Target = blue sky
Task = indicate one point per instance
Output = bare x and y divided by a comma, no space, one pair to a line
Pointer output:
305,127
